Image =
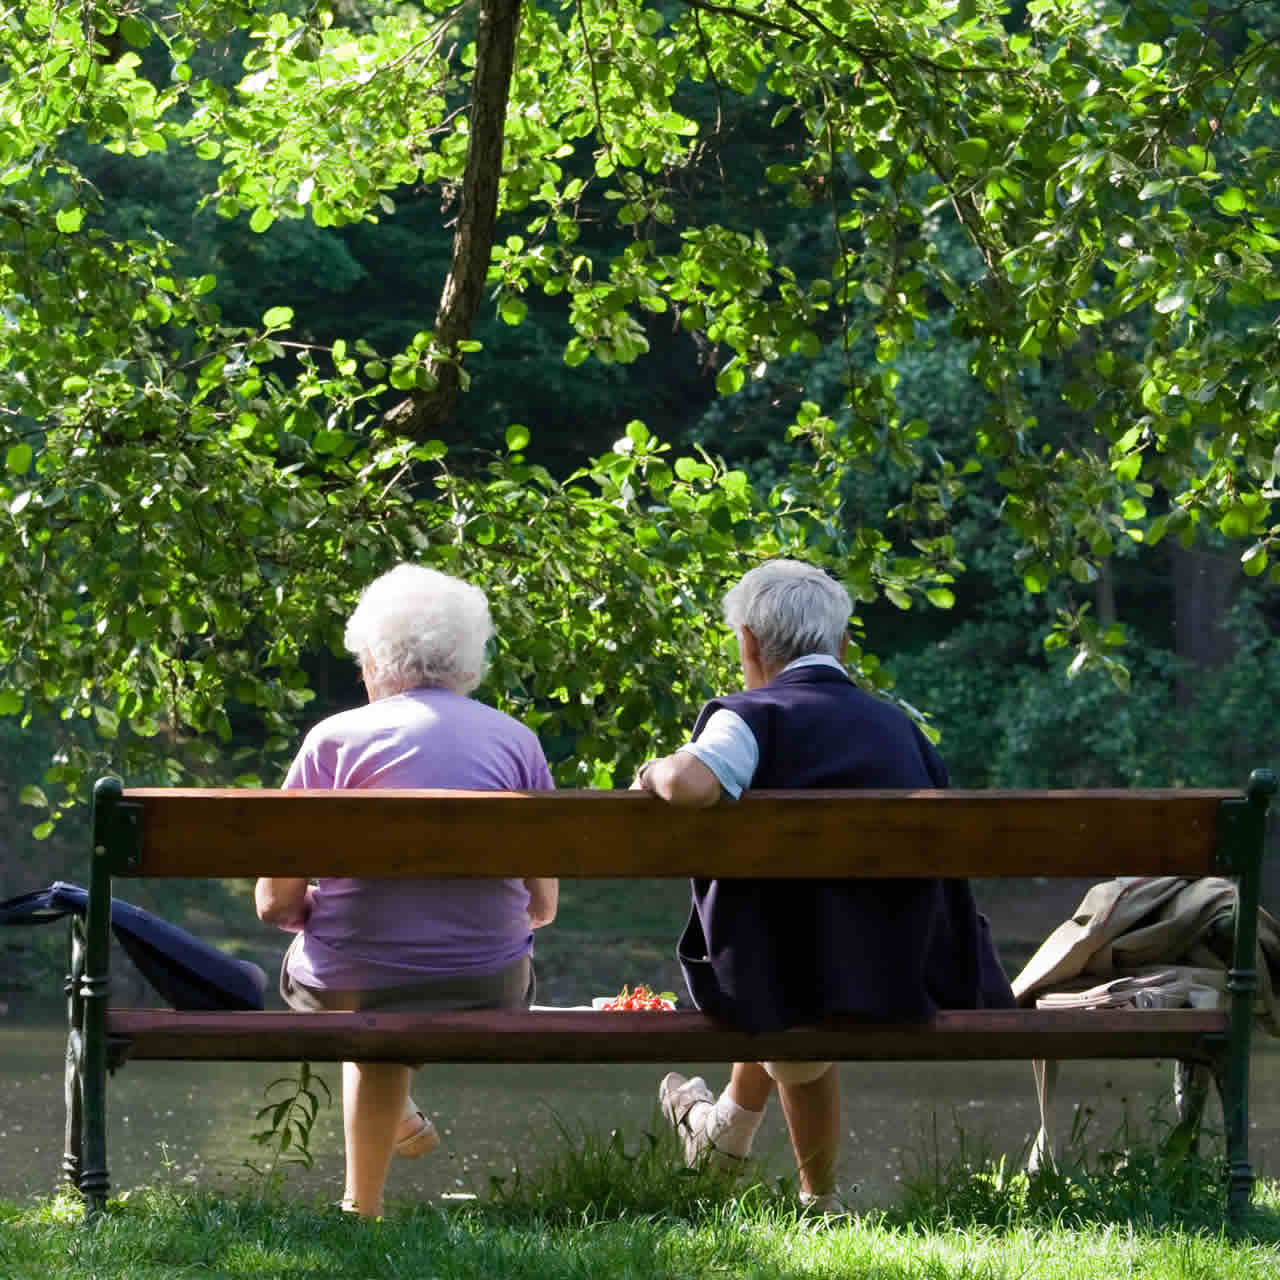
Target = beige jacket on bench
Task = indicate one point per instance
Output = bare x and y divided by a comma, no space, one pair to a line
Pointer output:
1140,942
1140,926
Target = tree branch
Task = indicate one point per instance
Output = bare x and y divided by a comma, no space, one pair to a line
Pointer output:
463,291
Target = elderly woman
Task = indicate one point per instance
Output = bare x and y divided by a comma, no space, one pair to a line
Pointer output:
767,954
420,639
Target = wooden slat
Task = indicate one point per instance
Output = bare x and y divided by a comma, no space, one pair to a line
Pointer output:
571,1036
210,832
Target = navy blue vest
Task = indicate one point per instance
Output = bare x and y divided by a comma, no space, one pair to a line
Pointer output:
768,954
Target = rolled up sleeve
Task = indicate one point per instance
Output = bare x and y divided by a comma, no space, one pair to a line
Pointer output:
729,749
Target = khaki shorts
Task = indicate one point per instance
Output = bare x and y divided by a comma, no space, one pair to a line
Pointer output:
796,1072
511,988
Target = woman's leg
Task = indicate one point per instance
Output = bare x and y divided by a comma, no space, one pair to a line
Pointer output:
374,1097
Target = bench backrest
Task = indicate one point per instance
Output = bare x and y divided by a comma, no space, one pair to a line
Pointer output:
238,832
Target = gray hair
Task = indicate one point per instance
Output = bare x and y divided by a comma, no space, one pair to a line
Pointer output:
792,609
419,628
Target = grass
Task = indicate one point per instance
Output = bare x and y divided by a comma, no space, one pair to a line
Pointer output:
618,1207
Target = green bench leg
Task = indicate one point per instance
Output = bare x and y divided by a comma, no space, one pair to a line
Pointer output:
1244,842
95,988
72,1136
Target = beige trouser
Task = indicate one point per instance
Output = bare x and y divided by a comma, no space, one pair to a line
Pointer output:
796,1072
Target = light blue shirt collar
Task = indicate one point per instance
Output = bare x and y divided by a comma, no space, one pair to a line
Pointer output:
815,660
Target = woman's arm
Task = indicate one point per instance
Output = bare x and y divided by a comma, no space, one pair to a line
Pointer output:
283,901
544,897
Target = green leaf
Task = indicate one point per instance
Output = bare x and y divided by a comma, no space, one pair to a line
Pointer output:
33,796
730,378
137,33
972,152
1175,300
1236,523
1231,201
328,441
261,219
17,459
1036,579
69,220
517,437
940,597
513,310
278,317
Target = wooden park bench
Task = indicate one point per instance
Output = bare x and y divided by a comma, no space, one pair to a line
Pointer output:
591,834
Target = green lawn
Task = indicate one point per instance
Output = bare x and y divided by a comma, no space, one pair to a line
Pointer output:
606,1208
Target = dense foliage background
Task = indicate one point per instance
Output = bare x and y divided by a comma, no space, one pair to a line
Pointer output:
597,304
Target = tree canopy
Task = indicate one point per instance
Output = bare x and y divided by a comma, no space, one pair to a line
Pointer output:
1083,194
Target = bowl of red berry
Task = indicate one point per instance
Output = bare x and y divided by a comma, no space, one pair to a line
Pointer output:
637,999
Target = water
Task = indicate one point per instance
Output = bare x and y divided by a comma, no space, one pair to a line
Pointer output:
174,1122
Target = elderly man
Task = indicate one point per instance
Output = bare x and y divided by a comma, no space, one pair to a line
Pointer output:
768,954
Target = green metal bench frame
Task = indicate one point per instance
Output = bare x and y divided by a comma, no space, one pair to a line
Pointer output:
211,832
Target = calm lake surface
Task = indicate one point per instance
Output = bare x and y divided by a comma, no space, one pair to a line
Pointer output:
170,1122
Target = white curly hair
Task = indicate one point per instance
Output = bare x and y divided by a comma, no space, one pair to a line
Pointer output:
417,628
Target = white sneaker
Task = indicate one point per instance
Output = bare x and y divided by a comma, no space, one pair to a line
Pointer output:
828,1206
688,1106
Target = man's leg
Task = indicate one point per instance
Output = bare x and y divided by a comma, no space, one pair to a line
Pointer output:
719,1130
750,1086
374,1097
812,1111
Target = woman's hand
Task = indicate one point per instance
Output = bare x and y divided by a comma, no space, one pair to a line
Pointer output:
283,901
544,897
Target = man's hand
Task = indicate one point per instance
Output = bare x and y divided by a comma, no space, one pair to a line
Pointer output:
680,779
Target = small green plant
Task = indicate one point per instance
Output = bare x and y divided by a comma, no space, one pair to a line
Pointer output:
290,1121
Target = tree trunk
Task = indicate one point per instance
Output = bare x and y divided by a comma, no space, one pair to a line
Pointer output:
1105,594
499,24
1204,587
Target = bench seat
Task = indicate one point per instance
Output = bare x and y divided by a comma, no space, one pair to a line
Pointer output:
581,1035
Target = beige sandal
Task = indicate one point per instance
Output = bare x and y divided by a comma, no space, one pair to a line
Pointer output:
421,1139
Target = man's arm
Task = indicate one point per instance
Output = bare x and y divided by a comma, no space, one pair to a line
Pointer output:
680,779
715,768
283,901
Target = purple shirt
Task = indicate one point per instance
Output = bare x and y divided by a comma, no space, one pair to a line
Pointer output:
380,933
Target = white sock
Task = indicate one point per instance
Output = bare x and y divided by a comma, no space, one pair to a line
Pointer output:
732,1128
